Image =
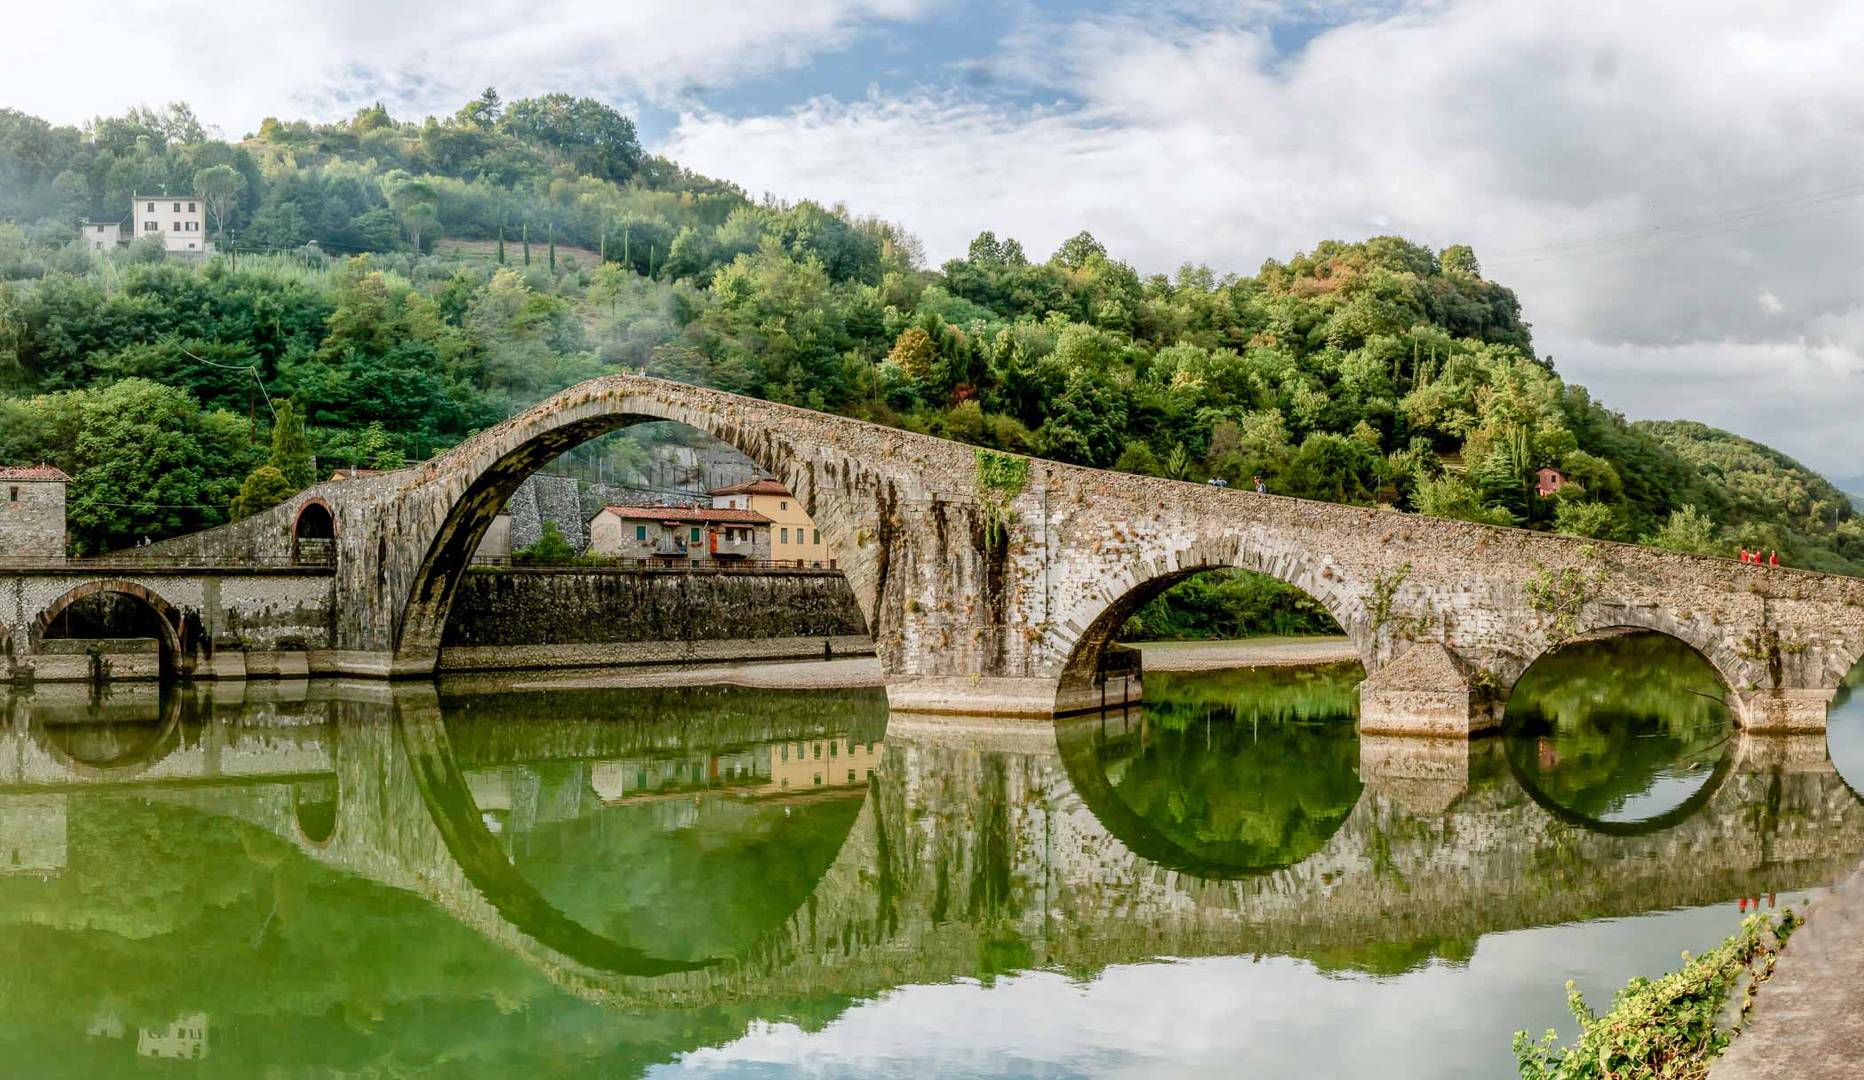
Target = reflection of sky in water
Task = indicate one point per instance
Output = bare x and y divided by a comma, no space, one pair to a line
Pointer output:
1666,791
1233,1016
1844,737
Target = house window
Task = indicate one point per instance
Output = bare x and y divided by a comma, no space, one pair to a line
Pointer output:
851,776
640,533
786,536
783,506
151,208
694,533
177,226
190,208
190,245
817,533
12,493
177,208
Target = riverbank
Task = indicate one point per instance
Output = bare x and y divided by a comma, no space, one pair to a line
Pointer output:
1808,1019
861,672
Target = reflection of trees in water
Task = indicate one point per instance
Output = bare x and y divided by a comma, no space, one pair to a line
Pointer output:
1248,769
1601,724
688,822
689,878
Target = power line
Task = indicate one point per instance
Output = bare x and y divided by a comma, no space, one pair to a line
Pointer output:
1736,219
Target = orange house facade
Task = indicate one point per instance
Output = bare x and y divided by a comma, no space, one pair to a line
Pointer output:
793,536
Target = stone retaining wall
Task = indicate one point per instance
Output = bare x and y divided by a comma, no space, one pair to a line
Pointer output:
526,616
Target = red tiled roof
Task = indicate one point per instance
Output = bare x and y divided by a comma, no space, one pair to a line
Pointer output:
33,472
700,515
765,486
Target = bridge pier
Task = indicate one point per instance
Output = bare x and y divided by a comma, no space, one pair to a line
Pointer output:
1429,692
1781,711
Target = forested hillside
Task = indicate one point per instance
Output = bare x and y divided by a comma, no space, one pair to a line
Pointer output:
1371,372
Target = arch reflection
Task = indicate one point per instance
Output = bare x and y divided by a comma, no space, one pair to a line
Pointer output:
116,733
665,832
1223,775
1620,734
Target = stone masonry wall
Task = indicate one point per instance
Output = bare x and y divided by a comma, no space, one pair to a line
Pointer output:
32,519
584,606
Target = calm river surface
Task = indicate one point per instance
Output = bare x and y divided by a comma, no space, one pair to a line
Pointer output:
323,878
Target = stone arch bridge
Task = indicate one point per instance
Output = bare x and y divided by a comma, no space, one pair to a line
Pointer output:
991,583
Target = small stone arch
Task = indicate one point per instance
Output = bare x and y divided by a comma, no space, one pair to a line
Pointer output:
160,740
314,533
314,825
1732,669
1130,587
168,616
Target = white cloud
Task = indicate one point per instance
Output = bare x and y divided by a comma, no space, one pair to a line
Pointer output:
1512,125
240,62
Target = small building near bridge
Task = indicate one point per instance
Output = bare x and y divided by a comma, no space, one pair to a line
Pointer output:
32,511
699,534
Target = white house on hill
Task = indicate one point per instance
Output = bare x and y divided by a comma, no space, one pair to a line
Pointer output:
179,220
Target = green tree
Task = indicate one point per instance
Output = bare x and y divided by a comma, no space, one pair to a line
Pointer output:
291,451
265,487
415,204
1451,497
550,546
595,138
1688,529
1581,518
140,465
219,186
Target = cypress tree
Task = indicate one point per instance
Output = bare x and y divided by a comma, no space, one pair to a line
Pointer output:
527,243
501,243
553,247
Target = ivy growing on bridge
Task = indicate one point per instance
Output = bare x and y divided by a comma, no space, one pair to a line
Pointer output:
1001,478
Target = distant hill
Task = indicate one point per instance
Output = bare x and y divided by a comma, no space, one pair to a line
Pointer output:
1767,498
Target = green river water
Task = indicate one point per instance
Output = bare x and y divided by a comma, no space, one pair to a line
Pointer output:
356,879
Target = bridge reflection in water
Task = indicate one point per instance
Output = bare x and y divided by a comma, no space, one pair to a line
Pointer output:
311,867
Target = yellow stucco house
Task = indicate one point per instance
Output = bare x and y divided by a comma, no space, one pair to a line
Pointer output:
792,535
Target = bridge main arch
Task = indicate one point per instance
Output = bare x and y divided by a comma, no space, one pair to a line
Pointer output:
462,491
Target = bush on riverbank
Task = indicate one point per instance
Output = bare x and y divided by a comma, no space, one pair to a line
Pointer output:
1669,1028
1228,604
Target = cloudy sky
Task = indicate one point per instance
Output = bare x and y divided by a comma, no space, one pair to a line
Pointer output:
1675,190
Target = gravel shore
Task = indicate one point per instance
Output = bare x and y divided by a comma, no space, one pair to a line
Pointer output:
860,672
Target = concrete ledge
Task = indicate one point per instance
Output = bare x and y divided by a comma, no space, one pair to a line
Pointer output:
122,659
1781,711
277,665
224,664
352,662
964,695
463,658
1437,714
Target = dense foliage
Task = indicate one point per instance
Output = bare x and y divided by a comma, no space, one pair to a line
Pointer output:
1372,372
1670,1028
